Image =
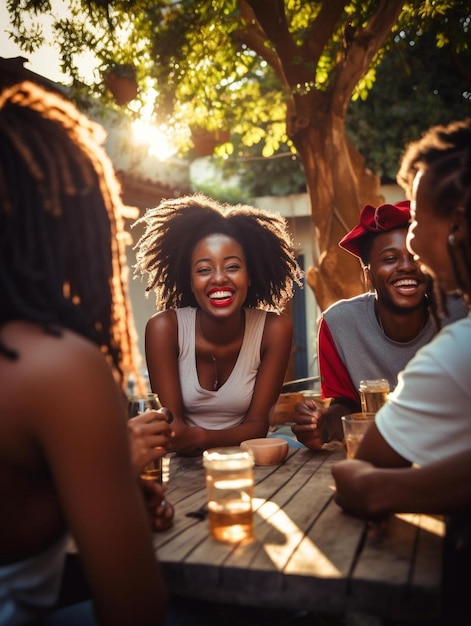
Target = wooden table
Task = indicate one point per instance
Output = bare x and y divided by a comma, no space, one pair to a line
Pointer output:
306,554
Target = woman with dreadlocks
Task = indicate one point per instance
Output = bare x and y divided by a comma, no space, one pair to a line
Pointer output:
218,347
65,460
427,419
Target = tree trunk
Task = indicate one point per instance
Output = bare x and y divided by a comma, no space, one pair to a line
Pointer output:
338,185
337,181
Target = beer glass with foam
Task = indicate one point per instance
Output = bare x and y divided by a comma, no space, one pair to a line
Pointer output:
373,394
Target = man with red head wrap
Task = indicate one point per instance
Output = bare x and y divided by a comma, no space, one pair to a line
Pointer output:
373,335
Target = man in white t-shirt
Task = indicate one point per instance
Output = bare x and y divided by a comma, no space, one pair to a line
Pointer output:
427,419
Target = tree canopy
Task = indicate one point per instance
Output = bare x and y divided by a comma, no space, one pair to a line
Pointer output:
195,54
278,74
418,84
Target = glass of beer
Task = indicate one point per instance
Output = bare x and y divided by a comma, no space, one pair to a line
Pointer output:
229,486
373,394
136,406
354,429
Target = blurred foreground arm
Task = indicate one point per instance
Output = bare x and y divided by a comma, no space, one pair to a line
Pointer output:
96,484
149,437
440,487
159,510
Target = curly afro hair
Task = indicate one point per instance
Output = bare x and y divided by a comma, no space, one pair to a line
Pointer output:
173,228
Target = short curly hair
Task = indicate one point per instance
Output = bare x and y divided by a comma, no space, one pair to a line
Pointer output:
173,228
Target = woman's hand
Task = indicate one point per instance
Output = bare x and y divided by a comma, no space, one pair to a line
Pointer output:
187,440
149,437
160,511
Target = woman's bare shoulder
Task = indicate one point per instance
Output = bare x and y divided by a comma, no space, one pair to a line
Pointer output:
48,359
30,341
162,322
278,332
55,375
278,321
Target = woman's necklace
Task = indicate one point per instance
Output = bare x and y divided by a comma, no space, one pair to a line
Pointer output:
216,378
215,364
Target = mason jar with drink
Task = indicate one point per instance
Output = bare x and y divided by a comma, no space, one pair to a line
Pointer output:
373,394
229,485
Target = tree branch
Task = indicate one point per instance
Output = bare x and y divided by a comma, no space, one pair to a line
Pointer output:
255,37
271,16
295,62
363,46
321,29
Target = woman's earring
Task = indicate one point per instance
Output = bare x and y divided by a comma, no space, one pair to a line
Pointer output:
451,240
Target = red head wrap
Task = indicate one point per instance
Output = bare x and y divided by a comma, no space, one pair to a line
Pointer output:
386,217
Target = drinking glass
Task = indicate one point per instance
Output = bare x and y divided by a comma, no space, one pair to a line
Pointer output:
373,394
229,485
354,429
141,404
136,406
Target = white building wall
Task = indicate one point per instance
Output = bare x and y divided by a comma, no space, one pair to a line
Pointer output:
295,208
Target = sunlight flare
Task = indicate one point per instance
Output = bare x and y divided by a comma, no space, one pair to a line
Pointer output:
154,137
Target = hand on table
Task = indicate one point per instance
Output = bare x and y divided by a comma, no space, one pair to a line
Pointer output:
160,511
355,487
187,440
149,437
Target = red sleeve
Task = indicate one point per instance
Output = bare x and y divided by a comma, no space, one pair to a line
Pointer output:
335,379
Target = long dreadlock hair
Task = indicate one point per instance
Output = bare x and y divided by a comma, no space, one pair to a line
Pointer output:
443,153
173,229
62,243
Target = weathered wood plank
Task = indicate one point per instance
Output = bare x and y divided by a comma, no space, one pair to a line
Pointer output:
320,567
306,552
382,581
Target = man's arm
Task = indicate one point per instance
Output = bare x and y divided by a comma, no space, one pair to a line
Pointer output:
316,425
335,378
440,487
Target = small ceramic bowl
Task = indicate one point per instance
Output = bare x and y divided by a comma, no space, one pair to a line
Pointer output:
267,451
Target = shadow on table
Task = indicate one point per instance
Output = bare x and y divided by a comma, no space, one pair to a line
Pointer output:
185,611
